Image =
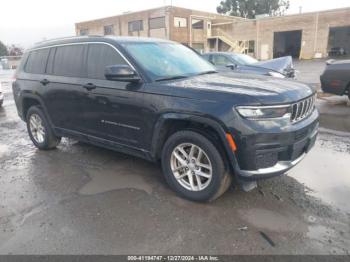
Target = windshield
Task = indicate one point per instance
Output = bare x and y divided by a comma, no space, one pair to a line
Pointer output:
167,60
243,59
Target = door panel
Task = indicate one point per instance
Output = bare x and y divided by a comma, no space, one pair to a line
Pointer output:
113,110
64,93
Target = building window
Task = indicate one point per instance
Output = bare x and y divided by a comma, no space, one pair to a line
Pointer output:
84,32
251,46
197,24
108,30
180,22
199,47
158,22
136,26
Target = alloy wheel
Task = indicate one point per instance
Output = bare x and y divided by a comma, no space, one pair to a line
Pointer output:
191,167
37,128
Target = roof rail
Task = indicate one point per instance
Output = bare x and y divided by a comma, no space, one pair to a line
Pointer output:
66,38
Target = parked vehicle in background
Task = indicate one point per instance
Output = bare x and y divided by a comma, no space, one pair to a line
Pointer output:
224,61
1,96
336,51
336,77
161,101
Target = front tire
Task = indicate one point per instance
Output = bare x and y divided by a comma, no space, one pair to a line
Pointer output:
193,167
39,129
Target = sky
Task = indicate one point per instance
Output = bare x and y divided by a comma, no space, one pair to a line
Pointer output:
30,21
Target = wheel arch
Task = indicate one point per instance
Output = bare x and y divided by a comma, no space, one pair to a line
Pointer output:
29,100
170,123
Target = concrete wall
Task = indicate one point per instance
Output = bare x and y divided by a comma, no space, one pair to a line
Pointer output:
186,35
120,23
315,28
315,31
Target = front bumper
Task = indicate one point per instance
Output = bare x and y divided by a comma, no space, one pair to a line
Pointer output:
264,154
299,150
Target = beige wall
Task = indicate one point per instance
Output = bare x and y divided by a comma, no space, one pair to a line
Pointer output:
314,26
183,35
120,24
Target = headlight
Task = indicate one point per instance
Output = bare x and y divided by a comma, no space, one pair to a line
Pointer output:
264,113
276,74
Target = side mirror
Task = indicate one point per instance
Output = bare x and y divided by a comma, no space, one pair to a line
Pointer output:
231,66
122,73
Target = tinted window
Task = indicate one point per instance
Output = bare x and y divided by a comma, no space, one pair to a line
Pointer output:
100,56
49,68
69,61
36,62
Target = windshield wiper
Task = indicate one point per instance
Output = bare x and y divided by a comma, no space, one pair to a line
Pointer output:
208,72
171,78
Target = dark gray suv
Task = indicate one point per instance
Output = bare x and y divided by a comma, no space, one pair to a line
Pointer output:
161,101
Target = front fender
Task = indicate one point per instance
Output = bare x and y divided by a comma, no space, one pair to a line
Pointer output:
214,124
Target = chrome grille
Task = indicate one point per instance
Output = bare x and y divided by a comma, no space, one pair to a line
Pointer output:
303,108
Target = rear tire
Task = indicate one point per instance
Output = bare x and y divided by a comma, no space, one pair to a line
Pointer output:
193,167
39,129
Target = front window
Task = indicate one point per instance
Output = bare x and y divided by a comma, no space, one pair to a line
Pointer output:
167,60
242,59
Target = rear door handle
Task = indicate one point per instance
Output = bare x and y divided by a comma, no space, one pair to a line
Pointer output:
44,82
89,86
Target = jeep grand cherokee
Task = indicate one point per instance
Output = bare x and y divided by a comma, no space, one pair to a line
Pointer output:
160,100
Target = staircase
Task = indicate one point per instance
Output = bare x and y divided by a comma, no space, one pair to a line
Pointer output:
235,46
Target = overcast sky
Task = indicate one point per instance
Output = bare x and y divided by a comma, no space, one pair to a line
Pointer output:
30,21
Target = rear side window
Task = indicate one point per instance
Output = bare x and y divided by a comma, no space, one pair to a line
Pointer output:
69,61
220,60
36,62
100,56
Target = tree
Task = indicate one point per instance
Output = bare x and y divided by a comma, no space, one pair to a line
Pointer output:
14,50
251,8
3,49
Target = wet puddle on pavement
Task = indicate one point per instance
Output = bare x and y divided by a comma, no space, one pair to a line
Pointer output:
3,150
325,171
120,177
273,221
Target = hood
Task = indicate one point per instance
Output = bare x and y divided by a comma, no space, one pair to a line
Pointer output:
265,90
282,65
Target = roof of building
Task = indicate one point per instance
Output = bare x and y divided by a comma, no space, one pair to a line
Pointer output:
92,38
159,8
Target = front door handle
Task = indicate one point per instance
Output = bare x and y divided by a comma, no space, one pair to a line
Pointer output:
44,82
89,86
